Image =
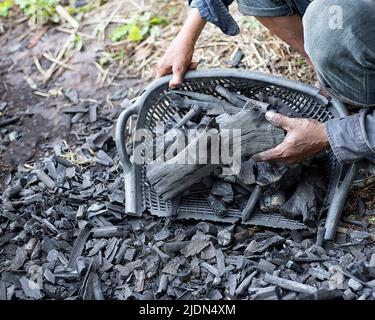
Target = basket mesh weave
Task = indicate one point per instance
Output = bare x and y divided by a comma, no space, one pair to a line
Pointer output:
194,205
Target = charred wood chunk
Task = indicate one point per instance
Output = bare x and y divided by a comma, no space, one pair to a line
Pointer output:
307,198
224,190
276,174
217,206
272,200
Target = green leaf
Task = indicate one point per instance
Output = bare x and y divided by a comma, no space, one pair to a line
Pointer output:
158,20
5,7
119,33
135,34
372,220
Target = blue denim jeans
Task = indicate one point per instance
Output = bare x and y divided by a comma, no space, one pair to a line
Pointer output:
339,38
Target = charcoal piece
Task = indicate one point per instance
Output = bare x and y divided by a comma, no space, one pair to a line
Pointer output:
271,200
206,98
162,234
236,59
184,271
224,237
270,173
268,293
220,262
208,253
348,294
223,190
204,122
72,95
171,248
247,175
108,232
371,264
354,285
3,291
289,284
319,273
207,228
4,239
244,285
127,269
294,266
31,289
248,210
259,247
230,96
193,112
214,294
15,189
320,236
173,177
307,198
45,179
79,245
194,247
322,294
163,285
210,269
49,276
19,259
81,266
217,206
163,257
266,266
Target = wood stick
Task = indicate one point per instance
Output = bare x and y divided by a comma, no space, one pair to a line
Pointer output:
289,284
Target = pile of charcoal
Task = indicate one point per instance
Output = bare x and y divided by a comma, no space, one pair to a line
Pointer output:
64,235
295,191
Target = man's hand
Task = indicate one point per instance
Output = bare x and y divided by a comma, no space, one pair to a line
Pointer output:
178,58
305,137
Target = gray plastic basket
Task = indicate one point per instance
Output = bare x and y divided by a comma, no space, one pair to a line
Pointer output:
153,105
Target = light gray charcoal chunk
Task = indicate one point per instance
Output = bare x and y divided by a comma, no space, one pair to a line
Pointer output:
268,293
49,276
259,247
244,285
372,261
266,266
355,285
224,190
319,273
246,175
207,228
31,289
289,284
97,247
359,236
349,294
162,234
224,237
128,268
194,247
130,254
208,253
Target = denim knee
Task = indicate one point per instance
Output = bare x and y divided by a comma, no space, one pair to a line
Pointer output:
340,41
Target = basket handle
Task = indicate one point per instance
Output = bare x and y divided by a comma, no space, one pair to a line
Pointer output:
120,135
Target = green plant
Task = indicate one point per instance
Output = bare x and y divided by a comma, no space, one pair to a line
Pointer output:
39,11
5,7
138,28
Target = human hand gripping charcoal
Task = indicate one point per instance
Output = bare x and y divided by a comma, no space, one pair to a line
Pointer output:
176,175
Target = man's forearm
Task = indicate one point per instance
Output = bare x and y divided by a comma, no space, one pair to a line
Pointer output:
192,28
353,138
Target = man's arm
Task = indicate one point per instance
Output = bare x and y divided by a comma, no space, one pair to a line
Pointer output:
351,138
178,57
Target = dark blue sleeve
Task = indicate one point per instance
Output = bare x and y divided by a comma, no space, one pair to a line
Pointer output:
216,12
353,138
